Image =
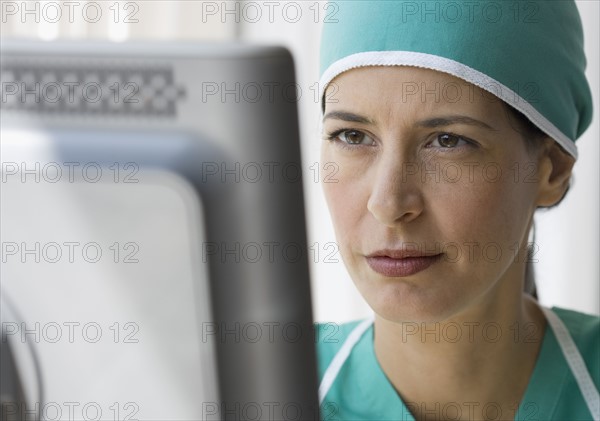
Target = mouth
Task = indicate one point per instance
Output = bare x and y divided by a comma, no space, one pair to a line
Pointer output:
400,263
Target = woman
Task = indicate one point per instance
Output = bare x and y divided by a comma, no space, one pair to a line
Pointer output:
450,123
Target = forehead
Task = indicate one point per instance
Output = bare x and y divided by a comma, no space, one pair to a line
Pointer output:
388,93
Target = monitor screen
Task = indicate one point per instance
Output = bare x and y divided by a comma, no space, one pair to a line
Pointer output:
154,260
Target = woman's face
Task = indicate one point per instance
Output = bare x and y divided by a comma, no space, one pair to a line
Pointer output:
429,166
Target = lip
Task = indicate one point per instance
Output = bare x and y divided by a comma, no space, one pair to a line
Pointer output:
399,263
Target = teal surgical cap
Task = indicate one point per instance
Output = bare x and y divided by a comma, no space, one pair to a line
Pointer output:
527,53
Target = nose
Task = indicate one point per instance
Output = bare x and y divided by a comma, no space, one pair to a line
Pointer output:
396,192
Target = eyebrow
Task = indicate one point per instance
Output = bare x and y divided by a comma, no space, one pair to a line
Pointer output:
453,119
347,116
428,123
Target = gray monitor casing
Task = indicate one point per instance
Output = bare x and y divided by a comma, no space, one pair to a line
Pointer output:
228,165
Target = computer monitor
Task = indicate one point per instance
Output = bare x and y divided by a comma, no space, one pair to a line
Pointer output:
153,232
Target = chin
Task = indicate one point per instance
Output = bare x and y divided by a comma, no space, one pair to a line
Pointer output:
406,302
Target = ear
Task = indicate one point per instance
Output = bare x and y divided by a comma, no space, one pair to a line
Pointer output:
554,175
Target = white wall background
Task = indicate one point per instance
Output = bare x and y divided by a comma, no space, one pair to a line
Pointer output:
568,268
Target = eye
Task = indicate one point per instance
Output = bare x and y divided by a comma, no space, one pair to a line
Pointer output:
449,141
351,137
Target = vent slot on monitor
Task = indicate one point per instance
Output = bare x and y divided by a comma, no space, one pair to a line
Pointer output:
105,89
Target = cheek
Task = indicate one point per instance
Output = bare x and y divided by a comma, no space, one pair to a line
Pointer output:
488,212
347,206
346,198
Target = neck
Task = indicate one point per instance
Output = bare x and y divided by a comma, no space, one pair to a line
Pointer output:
485,354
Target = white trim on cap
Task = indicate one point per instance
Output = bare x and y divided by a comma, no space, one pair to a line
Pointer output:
442,64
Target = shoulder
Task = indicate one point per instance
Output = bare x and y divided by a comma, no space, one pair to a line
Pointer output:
585,331
329,338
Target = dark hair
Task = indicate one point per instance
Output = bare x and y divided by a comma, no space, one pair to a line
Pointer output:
531,134
533,137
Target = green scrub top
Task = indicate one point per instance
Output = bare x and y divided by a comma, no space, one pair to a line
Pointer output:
361,390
